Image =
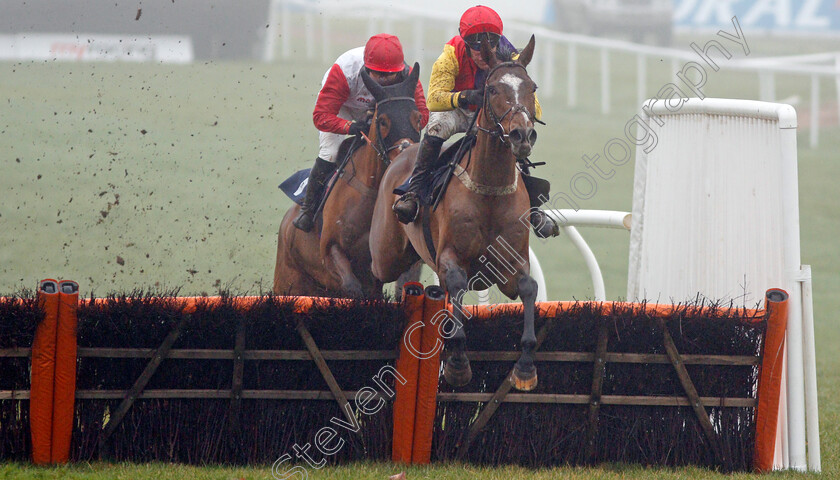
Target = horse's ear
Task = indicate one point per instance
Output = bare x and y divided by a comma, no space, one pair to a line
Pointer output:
374,88
413,76
487,55
527,53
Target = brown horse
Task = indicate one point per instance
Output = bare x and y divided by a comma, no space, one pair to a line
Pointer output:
334,258
476,229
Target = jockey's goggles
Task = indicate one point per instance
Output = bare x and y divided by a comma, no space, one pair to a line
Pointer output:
474,41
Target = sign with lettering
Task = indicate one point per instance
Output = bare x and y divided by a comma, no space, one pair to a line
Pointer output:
63,47
807,16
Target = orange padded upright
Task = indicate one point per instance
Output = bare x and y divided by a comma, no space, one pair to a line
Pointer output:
770,379
43,373
428,376
408,365
64,393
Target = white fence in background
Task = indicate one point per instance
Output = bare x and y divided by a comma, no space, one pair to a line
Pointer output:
319,20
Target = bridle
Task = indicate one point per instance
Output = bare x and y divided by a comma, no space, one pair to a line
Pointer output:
381,148
497,130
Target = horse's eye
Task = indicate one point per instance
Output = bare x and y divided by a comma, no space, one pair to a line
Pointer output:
491,90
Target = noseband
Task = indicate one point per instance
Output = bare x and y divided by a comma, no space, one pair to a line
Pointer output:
381,148
498,131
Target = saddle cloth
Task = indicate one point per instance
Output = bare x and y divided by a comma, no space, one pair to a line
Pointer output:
295,186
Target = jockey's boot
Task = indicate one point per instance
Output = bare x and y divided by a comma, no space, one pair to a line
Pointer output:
544,226
407,206
318,178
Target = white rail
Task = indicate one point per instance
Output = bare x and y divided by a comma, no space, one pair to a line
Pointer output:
568,219
812,66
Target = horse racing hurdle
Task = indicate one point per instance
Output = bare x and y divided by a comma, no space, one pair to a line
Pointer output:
263,379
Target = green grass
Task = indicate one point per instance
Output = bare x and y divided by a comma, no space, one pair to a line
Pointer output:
127,177
365,471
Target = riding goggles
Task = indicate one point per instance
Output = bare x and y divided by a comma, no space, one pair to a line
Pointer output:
474,41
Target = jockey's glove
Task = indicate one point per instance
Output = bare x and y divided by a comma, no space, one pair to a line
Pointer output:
357,128
470,97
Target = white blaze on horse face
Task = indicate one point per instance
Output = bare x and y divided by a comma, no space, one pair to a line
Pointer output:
514,83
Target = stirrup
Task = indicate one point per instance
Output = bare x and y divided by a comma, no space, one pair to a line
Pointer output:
400,207
304,221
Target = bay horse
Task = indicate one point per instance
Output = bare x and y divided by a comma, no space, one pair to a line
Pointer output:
334,258
477,222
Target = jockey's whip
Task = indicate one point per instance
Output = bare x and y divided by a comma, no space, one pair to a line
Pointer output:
338,172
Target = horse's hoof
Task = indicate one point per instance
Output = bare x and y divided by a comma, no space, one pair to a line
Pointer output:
524,381
354,291
457,373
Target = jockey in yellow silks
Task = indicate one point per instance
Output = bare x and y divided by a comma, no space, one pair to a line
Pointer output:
456,90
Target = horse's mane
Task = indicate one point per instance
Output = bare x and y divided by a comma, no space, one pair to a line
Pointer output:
505,53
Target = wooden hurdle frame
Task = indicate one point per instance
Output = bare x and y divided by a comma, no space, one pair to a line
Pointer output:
413,437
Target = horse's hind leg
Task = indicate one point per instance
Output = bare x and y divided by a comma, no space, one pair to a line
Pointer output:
524,375
457,369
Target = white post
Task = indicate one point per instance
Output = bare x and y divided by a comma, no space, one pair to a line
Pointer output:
419,43
269,45
548,73
600,292
387,24
605,81
837,81
675,69
641,78
810,357
286,27
571,71
537,274
325,38
791,246
782,431
767,86
309,35
815,111
535,67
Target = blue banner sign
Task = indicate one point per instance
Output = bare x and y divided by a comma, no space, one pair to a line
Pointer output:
807,16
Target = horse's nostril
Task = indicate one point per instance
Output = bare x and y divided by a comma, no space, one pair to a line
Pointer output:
516,136
532,137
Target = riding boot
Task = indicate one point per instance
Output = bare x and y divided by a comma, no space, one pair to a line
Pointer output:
544,226
407,206
318,178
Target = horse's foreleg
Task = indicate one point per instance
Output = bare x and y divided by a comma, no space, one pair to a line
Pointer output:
410,275
524,372
457,369
349,284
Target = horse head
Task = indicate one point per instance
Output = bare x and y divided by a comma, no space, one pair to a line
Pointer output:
510,100
396,117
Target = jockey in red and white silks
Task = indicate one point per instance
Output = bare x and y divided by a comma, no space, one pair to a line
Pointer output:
343,106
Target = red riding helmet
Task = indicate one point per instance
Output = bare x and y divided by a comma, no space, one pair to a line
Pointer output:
384,53
480,19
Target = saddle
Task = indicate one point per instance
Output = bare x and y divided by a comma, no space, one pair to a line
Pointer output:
439,177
